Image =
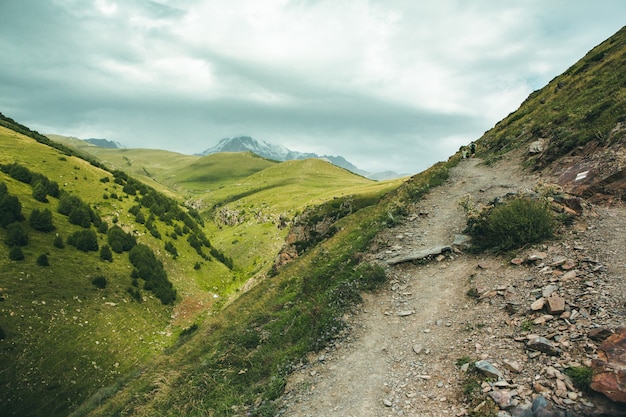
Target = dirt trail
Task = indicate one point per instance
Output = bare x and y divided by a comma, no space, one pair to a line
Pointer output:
399,356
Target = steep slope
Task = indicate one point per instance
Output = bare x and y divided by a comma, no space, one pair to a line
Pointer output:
71,321
579,120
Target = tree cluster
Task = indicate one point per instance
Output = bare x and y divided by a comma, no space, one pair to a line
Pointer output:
150,269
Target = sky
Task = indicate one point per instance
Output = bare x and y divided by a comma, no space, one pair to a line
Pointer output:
388,84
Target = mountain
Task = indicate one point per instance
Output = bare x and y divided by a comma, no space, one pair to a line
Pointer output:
105,143
281,153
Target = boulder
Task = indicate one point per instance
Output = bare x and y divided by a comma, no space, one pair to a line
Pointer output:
556,304
609,369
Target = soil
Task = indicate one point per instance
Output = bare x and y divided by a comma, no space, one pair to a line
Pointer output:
401,352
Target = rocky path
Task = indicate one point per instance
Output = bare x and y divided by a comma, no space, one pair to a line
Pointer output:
401,354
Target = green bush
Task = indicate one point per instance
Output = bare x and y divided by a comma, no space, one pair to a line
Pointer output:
119,240
16,235
581,377
85,240
42,260
10,207
99,282
58,242
16,254
106,254
41,220
511,225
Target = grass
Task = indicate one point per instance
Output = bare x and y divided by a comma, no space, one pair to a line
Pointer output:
577,108
581,377
511,224
237,362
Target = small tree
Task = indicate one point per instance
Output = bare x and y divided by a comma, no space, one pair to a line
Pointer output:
16,254
106,254
85,240
42,260
58,242
41,220
99,282
16,235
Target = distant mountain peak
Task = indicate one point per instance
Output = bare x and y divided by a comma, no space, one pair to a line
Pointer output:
105,143
280,153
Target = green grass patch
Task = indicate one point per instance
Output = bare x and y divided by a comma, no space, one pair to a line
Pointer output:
511,224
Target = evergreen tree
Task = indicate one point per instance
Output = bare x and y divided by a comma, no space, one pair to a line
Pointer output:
16,235
41,220
42,260
16,254
106,254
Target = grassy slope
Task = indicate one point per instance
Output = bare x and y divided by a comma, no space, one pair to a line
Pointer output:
185,174
64,339
237,362
75,340
580,106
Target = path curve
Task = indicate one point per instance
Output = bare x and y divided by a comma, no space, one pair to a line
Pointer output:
399,356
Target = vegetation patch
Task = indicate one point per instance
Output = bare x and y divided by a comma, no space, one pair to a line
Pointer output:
509,224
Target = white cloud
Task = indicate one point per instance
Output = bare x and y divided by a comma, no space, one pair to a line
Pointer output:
377,82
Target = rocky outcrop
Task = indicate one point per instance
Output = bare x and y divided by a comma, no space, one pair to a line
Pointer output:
610,368
596,172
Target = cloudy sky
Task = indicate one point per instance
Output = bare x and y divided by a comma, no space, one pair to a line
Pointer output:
388,84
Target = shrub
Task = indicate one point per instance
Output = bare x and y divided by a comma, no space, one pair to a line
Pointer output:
10,207
581,377
58,242
85,240
169,246
151,270
99,282
119,240
106,254
16,254
3,334
42,260
41,220
511,225
16,235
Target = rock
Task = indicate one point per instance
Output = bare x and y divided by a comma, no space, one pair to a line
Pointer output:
541,344
535,147
556,304
512,307
503,398
512,366
517,261
418,349
405,313
462,240
538,304
599,334
609,370
487,368
548,290
568,265
558,261
387,403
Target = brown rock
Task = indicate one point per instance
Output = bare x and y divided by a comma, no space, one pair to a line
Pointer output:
538,304
599,334
609,370
556,304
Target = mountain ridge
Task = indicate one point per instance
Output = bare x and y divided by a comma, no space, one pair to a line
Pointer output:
281,153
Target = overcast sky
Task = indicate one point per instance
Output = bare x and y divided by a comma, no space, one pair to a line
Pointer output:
387,84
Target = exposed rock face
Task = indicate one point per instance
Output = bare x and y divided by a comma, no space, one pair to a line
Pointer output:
610,368
595,172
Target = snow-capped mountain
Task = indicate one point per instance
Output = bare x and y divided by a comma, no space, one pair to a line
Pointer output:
275,152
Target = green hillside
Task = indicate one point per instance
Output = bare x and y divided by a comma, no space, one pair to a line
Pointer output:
185,174
81,325
576,109
63,337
